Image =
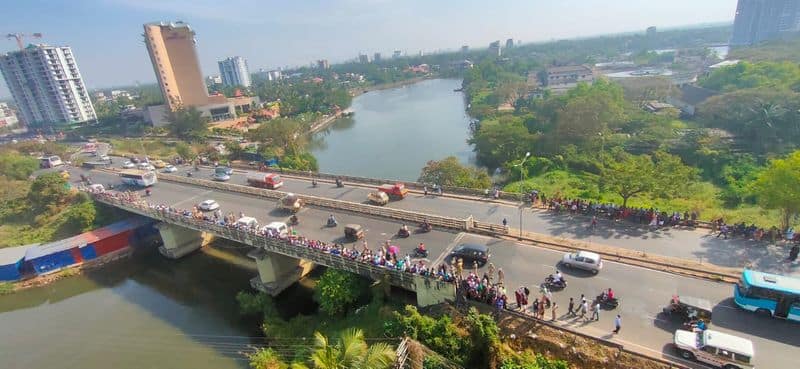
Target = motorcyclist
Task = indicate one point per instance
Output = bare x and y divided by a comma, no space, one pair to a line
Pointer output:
294,219
339,183
147,192
425,225
403,230
332,220
421,248
314,183
188,174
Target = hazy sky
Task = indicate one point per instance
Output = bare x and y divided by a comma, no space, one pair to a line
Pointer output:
105,35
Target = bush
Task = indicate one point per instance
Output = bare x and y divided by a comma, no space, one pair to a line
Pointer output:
303,161
338,290
439,334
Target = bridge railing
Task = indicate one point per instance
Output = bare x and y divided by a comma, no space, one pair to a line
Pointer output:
280,246
398,214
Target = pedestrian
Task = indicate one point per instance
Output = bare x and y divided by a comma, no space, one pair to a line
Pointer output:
596,311
505,222
491,271
584,309
617,324
475,266
500,275
570,307
541,311
555,306
535,307
425,190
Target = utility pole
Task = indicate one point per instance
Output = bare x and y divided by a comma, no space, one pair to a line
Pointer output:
21,36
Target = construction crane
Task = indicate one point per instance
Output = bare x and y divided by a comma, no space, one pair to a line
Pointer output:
21,36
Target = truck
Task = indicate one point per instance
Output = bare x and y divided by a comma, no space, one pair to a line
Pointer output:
270,181
396,191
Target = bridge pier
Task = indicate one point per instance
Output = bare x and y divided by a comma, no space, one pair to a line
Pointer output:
432,292
179,241
277,272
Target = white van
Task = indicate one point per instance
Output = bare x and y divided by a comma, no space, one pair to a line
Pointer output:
279,228
715,348
247,222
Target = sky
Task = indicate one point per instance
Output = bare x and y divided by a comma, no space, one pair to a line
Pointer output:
106,35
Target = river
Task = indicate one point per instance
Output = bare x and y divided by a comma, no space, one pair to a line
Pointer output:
395,132
143,312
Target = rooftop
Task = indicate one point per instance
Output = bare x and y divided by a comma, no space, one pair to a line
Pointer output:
568,68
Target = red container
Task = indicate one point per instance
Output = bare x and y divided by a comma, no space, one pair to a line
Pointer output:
113,243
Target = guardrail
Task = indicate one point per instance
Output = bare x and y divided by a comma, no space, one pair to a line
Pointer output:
395,277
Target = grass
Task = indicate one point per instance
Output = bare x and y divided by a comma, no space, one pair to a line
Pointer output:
6,288
704,198
152,147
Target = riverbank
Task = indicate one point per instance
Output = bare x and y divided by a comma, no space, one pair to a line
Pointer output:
386,86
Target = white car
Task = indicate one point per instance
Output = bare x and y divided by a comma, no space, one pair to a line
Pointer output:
208,205
247,222
128,164
715,348
279,228
146,166
105,158
170,169
221,177
583,260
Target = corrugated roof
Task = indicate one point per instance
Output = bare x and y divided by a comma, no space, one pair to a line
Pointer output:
84,239
11,255
569,68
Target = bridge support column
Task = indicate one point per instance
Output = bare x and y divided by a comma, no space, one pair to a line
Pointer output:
432,292
277,272
179,241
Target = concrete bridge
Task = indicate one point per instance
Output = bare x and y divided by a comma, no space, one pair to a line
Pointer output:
280,263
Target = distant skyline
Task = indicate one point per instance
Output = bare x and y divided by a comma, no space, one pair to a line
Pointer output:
105,35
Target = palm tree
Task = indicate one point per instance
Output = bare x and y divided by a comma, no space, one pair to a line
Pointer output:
351,352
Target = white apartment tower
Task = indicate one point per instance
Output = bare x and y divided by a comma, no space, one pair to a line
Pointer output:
47,86
234,72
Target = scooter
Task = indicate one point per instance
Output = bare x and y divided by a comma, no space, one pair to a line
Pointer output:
607,303
188,174
425,228
420,253
552,284
402,233
314,183
339,183
293,220
331,223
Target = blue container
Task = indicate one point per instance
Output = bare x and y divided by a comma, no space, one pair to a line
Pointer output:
51,262
88,252
11,272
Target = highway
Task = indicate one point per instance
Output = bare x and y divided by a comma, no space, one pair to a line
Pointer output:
643,292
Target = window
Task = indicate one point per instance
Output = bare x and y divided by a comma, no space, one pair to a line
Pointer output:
710,349
741,358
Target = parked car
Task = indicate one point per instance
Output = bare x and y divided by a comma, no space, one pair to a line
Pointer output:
128,165
146,166
170,169
715,348
221,177
279,228
208,205
583,260
471,252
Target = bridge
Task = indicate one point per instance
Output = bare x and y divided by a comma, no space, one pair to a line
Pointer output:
643,291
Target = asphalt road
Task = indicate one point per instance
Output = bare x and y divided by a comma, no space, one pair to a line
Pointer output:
643,292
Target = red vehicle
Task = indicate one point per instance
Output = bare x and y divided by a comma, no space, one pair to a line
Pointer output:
270,181
397,191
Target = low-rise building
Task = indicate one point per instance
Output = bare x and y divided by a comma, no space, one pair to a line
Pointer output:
8,117
560,79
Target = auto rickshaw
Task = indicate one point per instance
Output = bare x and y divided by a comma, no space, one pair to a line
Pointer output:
378,198
353,232
64,174
689,308
291,202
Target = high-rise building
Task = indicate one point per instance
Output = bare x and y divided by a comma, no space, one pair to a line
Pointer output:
464,49
47,86
396,54
323,64
509,43
651,31
376,57
234,72
761,20
174,57
494,48
363,58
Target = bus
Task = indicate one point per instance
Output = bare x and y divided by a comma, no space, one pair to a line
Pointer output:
769,294
139,178
50,161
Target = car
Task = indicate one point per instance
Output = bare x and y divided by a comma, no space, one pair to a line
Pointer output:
277,228
128,165
470,253
159,164
715,348
208,205
224,170
146,166
247,222
170,169
222,177
583,260
105,158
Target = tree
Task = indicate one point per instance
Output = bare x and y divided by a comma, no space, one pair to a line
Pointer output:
778,187
351,352
184,151
16,166
283,133
449,172
47,190
337,290
266,359
187,123
663,175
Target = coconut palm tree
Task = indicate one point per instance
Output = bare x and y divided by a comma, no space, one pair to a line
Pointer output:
350,352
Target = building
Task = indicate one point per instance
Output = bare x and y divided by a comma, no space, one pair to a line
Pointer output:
323,64
761,20
397,54
509,43
651,31
47,86
494,48
464,49
8,117
272,75
377,57
560,79
363,58
234,72
214,80
172,51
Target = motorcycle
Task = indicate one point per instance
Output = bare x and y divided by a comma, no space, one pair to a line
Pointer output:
425,228
403,233
332,223
552,284
188,174
314,183
339,183
420,253
293,220
607,303
147,192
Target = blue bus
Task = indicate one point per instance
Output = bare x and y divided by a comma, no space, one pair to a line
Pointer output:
769,294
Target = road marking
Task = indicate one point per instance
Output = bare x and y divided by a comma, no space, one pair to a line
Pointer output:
191,199
447,250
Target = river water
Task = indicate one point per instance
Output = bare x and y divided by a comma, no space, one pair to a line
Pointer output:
395,132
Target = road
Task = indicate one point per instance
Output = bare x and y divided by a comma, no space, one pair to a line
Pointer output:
643,292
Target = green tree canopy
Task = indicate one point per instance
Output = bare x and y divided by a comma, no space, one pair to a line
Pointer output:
16,166
351,351
449,172
774,75
337,290
633,175
187,123
778,187
46,190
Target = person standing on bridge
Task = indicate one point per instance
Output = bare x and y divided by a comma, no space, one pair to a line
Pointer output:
425,190
491,271
617,324
500,275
